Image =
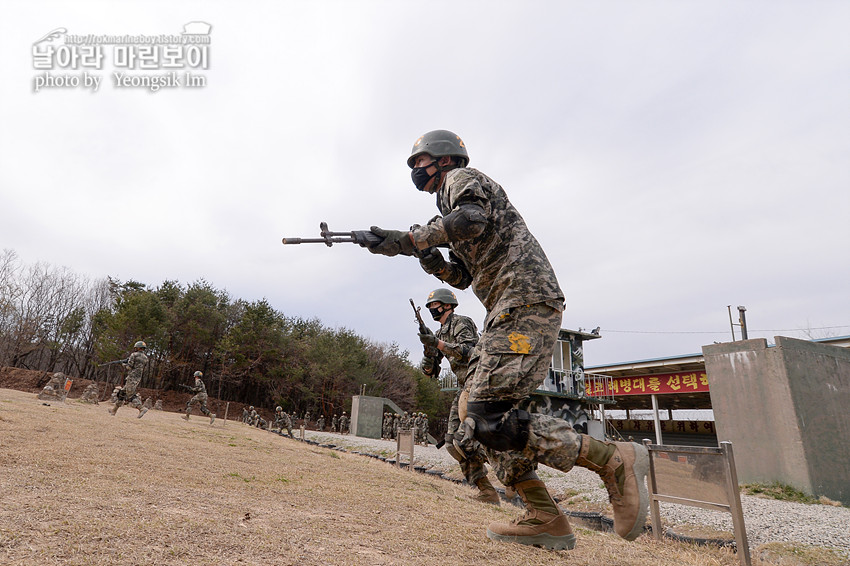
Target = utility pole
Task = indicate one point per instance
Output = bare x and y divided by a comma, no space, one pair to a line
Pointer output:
731,324
742,319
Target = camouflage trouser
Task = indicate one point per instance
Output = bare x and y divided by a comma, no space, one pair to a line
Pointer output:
201,400
508,364
131,397
472,465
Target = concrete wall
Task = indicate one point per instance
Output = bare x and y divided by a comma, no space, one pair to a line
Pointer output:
367,414
786,411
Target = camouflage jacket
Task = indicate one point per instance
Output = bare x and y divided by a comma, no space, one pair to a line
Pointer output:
199,387
135,365
504,263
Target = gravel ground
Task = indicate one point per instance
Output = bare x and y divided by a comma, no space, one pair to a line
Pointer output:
767,520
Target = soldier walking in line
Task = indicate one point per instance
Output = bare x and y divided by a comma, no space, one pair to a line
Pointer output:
320,423
135,366
424,429
334,423
492,250
343,423
199,397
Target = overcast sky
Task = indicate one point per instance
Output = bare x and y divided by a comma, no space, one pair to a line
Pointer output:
672,157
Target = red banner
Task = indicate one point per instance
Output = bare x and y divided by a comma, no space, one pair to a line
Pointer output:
666,383
688,427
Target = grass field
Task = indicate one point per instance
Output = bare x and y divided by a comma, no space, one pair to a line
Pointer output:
82,487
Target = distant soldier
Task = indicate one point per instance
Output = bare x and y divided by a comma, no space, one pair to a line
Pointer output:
396,425
417,427
424,430
278,418
135,366
387,427
253,417
246,414
320,424
199,397
287,422
334,423
306,418
343,424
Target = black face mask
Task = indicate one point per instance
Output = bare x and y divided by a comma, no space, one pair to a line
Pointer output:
421,177
436,312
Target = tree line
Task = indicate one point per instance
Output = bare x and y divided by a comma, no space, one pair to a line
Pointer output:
52,319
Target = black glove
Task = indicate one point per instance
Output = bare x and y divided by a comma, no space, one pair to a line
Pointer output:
429,368
429,340
394,242
432,262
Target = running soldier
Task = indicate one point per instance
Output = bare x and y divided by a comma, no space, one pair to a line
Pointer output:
135,366
199,397
455,340
492,250
343,424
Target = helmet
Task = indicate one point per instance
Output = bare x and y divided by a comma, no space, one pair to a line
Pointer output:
140,344
442,295
198,374
439,143
251,408
278,409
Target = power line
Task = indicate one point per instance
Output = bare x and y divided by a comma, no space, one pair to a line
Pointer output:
719,331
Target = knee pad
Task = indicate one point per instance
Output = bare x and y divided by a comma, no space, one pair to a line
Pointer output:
499,425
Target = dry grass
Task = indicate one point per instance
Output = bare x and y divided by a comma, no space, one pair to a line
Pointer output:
82,487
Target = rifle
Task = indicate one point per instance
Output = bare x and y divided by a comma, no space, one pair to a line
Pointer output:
186,386
429,351
363,238
124,361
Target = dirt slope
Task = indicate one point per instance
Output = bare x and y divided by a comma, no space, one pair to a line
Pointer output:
82,487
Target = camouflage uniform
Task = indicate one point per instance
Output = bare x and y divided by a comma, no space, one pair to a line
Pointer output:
199,397
334,423
287,422
511,275
424,429
460,335
320,424
417,428
135,366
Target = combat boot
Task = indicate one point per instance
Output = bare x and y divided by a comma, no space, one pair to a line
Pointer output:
113,410
486,492
623,467
185,417
212,418
142,412
543,524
